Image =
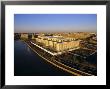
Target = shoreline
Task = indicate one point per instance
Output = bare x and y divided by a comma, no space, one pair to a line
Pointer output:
63,67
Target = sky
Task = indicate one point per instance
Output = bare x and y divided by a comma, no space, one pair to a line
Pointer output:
33,23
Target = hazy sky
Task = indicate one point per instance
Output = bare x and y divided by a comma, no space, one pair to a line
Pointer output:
55,23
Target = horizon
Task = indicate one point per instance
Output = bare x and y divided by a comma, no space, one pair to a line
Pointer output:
57,32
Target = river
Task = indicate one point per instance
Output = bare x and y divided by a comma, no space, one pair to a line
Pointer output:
28,63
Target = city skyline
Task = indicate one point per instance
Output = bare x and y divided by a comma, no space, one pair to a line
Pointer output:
33,23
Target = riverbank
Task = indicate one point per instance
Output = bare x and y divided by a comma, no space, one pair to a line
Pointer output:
56,63
28,63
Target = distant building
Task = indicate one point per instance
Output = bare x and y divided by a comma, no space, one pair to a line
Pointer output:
28,36
24,36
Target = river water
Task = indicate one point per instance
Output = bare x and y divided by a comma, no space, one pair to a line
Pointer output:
28,63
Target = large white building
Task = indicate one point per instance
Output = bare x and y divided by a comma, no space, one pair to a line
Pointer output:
58,43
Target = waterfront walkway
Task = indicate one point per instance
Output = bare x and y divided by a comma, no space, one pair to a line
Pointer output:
59,64
53,54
